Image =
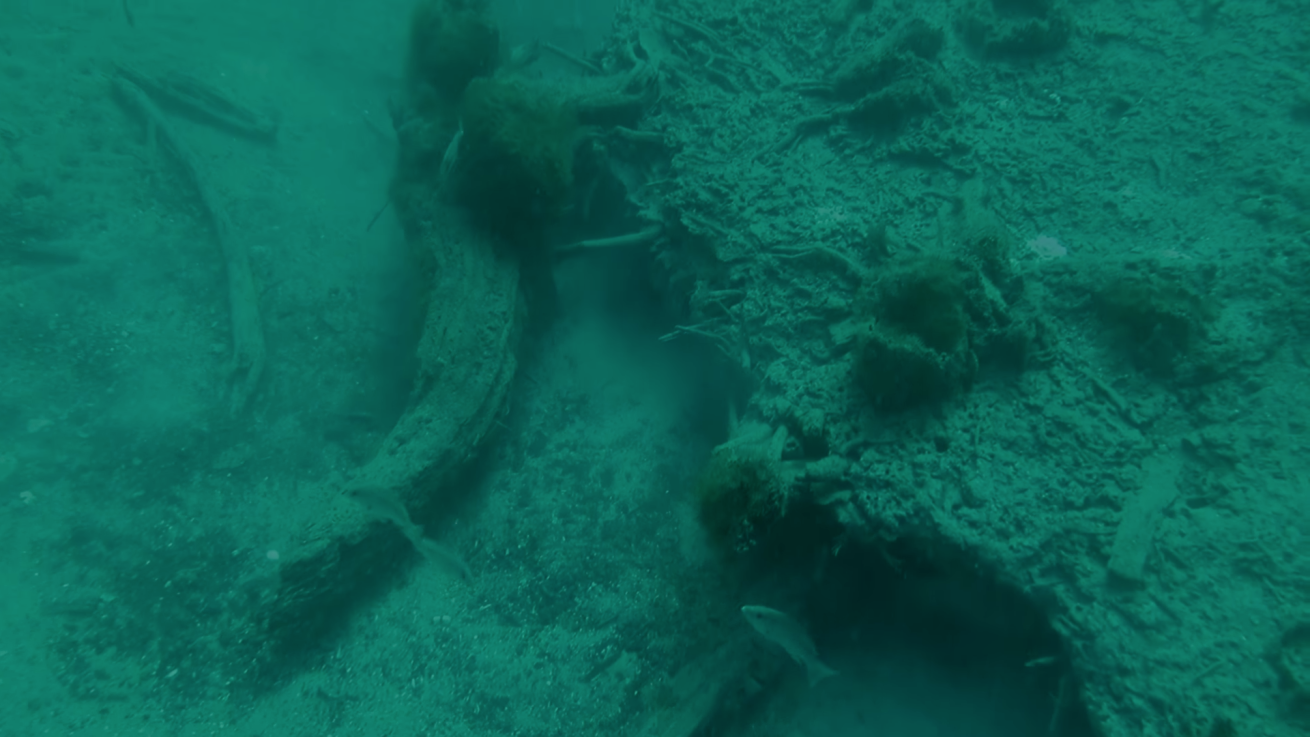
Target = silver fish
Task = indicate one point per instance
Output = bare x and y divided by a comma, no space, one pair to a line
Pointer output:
788,634
449,159
384,505
440,556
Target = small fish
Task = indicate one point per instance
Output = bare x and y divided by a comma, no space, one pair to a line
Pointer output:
788,634
440,556
449,159
384,505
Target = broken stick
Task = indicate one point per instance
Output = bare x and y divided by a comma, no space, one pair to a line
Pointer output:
248,351
1133,540
202,101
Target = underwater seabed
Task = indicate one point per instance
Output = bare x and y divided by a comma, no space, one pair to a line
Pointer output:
920,653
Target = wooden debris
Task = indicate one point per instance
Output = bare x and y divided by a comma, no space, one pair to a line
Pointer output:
717,46
711,693
1132,541
248,350
1116,400
8,131
840,13
804,127
201,100
823,253
467,361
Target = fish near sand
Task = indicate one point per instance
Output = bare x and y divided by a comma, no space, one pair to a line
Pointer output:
788,634
384,505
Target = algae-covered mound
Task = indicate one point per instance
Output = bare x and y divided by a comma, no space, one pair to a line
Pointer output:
1015,28
739,493
1160,318
914,346
514,167
450,43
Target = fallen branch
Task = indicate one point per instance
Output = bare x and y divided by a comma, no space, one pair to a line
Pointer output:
201,100
722,342
851,268
249,353
804,127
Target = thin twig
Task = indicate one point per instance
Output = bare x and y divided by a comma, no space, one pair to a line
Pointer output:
573,58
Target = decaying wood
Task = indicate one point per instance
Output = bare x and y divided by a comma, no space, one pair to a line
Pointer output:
202,100
467,360
710,693
249,353
1133,540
